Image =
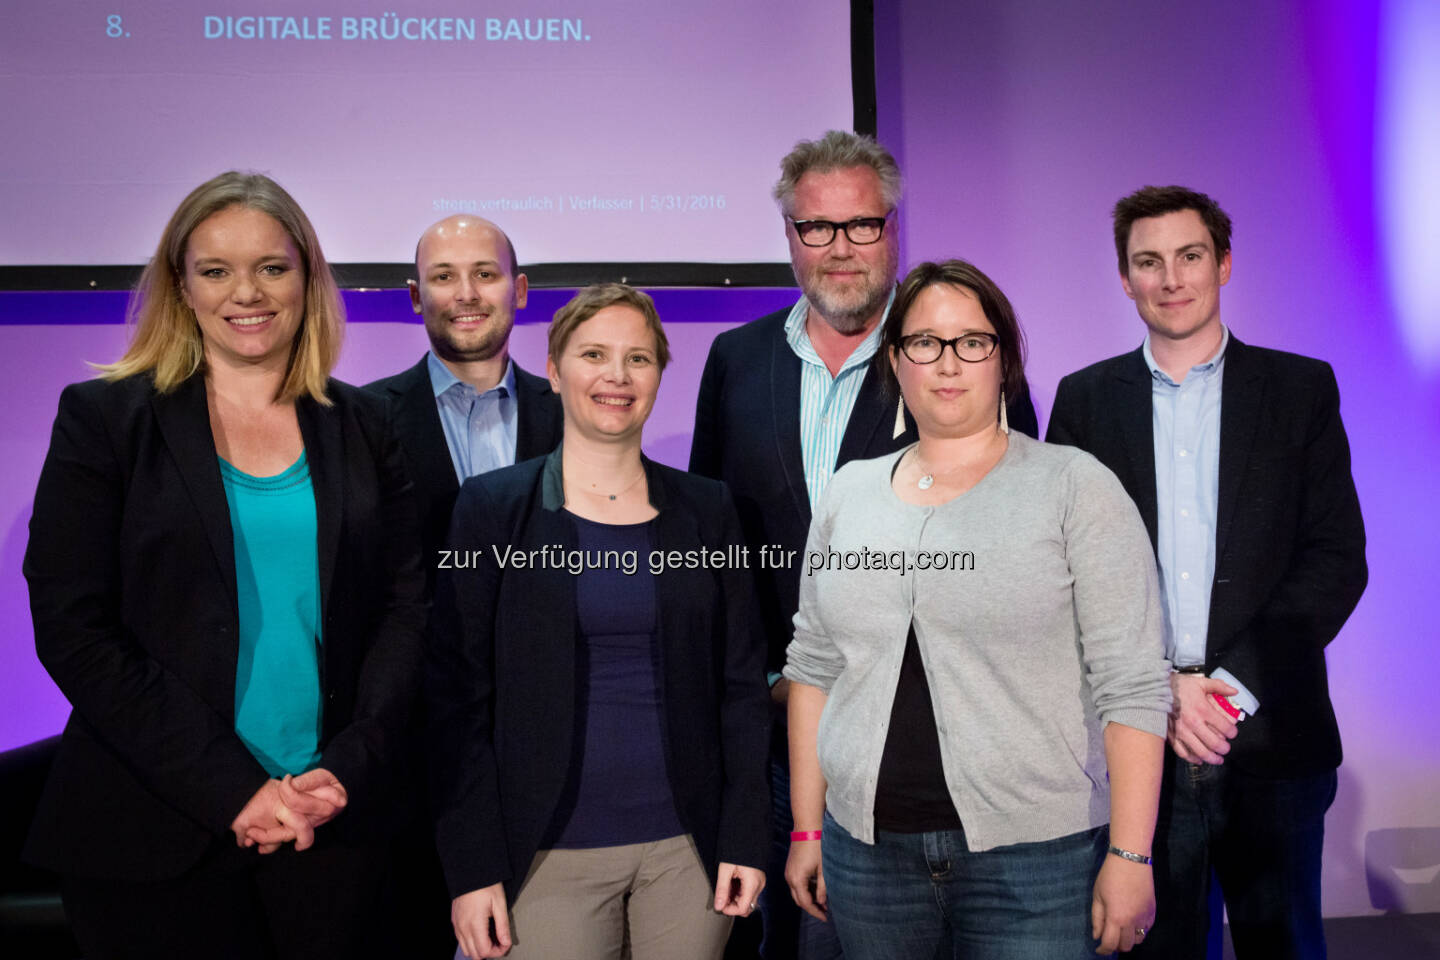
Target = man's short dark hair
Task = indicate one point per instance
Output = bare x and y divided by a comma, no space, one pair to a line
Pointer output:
1158,201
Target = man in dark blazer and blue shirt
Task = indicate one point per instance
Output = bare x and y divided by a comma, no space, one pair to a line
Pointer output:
787,399
1239,464
464,409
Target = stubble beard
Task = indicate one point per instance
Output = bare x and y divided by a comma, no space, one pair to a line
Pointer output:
1188,329
491,341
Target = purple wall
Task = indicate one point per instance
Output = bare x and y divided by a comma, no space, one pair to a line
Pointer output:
1018,125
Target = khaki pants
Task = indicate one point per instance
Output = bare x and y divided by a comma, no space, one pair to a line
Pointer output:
587,904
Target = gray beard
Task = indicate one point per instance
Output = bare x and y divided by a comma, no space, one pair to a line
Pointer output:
848,319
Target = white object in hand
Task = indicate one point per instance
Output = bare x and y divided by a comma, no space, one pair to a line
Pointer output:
1242,702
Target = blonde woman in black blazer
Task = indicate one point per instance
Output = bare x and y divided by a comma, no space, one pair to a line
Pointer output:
509,674
171,836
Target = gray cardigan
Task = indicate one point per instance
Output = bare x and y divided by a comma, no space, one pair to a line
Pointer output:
1043,627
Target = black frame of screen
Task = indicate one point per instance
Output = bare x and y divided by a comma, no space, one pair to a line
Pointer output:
384,276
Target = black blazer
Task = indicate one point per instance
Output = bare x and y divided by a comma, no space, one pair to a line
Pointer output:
1289,540
747,433
131,568
539,425
501,683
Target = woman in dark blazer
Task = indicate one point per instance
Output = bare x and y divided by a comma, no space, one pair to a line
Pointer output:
238,653
596,683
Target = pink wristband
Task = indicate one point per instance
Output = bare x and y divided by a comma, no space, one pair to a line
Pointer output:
804,834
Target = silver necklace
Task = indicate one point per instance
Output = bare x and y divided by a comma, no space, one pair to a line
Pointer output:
612,496
927,476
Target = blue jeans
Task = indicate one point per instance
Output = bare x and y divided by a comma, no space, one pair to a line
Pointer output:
790,933
925,896
1262,837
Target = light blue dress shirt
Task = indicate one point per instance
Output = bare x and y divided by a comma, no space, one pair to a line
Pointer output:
479,427
1185,418
826,402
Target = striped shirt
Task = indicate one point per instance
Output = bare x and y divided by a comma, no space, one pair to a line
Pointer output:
826,402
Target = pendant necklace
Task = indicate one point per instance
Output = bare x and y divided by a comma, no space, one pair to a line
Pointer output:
621,492
927,476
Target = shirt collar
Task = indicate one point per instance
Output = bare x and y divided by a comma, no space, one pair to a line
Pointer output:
1202,369
799,339
442,379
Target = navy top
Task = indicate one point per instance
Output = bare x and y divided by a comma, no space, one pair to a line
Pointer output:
618,788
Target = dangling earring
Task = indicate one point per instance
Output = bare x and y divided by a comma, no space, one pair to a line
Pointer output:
899,419
1004,420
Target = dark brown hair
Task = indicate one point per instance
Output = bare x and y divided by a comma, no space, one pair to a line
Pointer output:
1158,201
997,308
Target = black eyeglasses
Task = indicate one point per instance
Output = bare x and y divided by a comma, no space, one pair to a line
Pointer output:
861,231
970,347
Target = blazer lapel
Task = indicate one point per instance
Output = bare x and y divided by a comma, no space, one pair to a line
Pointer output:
418,421
184,420
866,419
785,409
674,594
547,607
1136,431
552,611
325,454
533,415
1241,395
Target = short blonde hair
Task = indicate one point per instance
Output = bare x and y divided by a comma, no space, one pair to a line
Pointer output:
167,344
590,301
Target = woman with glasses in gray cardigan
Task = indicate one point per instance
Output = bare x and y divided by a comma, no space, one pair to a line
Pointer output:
978,690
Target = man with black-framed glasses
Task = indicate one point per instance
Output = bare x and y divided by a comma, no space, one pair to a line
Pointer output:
785,400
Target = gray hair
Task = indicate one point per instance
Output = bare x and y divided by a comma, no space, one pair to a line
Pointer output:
838,150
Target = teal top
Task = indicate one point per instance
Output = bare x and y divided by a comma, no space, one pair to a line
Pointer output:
277,578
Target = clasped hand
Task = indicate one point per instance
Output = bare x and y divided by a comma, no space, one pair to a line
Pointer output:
289,810
1199,731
